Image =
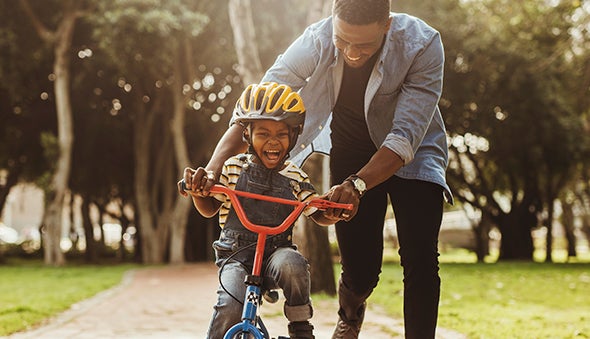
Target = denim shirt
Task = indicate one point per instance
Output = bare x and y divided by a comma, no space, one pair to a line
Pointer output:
401,101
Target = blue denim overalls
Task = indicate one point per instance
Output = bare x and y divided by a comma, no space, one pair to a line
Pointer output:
283,266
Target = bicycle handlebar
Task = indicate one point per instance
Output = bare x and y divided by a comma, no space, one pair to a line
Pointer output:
320,204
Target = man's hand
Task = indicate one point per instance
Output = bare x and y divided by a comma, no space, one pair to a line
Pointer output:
197,181
346,194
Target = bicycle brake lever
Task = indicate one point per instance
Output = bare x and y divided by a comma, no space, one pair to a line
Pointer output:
322,204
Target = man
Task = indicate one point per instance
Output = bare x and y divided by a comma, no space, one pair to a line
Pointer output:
371,81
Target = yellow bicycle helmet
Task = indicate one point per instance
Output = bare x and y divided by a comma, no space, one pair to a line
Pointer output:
271,101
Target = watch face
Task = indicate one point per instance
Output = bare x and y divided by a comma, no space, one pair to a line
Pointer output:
360,185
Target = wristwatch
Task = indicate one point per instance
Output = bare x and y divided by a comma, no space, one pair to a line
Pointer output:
359,184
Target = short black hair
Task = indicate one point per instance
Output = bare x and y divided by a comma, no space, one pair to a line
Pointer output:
361,12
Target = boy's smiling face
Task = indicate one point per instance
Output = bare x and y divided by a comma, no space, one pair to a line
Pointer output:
270,140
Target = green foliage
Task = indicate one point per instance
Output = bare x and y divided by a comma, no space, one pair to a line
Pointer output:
146,30
515,99
513,103
512,71
24,57
513,63
25,105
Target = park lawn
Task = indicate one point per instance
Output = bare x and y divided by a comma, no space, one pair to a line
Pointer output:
501,300
31,292
504,300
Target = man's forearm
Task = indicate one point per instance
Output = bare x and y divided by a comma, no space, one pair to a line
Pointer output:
383,164
230,144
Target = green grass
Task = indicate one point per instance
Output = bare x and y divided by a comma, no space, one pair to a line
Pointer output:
501,300
31,292
504,300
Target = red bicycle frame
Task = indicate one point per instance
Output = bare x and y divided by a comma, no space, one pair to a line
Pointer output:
263,231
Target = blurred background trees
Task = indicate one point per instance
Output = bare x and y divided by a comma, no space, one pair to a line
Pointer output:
515,102
150,86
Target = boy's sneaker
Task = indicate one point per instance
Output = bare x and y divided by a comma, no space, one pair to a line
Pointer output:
300,330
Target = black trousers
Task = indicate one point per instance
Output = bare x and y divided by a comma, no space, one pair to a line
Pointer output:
418,207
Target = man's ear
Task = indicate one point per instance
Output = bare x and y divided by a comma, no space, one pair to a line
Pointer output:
388,25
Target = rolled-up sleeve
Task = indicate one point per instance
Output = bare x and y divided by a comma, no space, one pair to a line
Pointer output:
400,146
417,101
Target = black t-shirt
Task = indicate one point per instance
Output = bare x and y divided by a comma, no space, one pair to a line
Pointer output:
350,135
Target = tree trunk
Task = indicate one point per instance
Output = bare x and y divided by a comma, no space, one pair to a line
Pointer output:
125,223
316,248
240,16
200,235
7,182
517,241
91,254
151,250
182,205
155,179
101,244
482,237
586,226
549,235
313,240
65,135
584,202
73,233
61,40
567,220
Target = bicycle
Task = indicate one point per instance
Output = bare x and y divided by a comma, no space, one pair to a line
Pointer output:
251,323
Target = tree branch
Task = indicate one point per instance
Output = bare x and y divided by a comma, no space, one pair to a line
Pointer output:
44,33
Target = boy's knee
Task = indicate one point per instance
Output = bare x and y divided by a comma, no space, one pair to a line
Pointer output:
291,264
299,312
296,268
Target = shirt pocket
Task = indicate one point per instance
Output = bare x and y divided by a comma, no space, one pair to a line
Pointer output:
382,113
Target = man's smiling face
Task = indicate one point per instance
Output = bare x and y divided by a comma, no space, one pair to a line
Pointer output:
358,43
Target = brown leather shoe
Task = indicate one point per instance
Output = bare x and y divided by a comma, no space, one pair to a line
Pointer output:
350,329
346,331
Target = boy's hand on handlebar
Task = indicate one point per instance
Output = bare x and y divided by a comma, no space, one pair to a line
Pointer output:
198,182
345,194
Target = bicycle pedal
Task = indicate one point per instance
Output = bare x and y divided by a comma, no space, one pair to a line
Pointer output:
272,297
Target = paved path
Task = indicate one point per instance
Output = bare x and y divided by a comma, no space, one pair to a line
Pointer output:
176,302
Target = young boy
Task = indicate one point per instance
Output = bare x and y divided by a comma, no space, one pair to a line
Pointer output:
272,117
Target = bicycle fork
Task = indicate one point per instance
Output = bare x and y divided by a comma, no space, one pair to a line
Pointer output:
251,323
